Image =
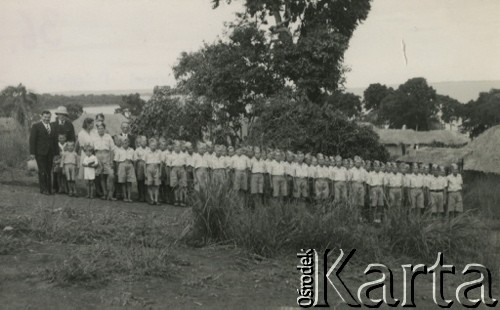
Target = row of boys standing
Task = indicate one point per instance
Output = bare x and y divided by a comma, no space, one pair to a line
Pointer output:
166,168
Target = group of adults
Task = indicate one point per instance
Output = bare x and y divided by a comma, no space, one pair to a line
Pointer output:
44,143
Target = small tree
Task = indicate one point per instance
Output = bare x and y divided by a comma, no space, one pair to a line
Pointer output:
75,110
18,103
413,104
131,103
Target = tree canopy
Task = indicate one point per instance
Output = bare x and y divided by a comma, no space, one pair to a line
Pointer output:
414,104
289,123
482,113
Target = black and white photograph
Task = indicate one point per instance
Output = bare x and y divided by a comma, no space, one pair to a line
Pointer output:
249,154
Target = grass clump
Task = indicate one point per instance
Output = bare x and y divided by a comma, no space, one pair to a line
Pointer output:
95,265
284,228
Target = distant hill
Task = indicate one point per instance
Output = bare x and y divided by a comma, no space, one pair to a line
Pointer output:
463,91
116,92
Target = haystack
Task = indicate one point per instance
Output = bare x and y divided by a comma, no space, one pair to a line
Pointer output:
436,155
484,153
113,122
8,124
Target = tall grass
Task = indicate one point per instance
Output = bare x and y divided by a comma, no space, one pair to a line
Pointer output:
14,147
284,228
482,193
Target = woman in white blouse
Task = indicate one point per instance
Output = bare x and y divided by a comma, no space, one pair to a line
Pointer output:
84,138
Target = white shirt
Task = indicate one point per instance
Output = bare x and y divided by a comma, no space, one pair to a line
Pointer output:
153,157
302,170
258,165
84,138
189,159
140,153
340,174
454,182
416,181
103,143
218,163
122,154
201,161
240,162
177,159
277,168
376,178
437,183
312,171
395,180
322,172
290,168
358,175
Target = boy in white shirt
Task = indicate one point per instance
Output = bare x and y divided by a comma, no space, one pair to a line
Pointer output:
358,180
300,185
258,169
312,174
140,166
395,186
376,185
322,180
278,181
455,184
437,187
289,172
240,165
339,181
124,157
201,164
153,181
178,179
416,188
218,166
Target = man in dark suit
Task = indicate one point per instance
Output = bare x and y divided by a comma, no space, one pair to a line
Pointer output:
43,149
125,127
63,124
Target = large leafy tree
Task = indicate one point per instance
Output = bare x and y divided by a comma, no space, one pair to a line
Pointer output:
18,102
482,113
307,39
413,104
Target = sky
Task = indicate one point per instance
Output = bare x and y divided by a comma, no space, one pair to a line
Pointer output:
72,45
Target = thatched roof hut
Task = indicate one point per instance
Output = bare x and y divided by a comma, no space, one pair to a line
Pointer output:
484,152
113,122
436,155
409,136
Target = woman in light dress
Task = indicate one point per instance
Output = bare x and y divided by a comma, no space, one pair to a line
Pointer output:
84,138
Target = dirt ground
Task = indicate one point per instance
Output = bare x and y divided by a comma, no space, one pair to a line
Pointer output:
218,277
